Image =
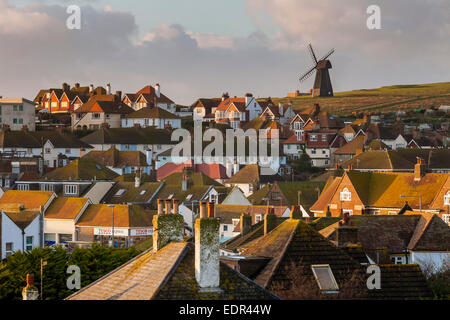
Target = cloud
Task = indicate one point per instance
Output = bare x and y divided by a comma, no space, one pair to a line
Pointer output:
38,51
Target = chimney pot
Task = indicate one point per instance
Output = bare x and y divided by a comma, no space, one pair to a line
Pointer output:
168,206
246,223
175,206
211,209
203,210
160,207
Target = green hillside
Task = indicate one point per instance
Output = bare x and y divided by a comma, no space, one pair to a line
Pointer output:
382,99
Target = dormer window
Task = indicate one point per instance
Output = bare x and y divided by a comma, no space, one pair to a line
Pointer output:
346,195
447,199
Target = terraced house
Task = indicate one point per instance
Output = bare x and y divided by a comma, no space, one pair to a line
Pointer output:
385,193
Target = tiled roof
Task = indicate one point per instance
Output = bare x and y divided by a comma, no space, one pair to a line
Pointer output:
31,200
240,242
166,275
400,282
431,234
324,199
357,144
212,170
131,136
294,244
251,174
228,212
81,169
125,216
131,194
150,95
65,208
308,192
152,113
257,197
22,219
118,159
107,106
384,189
33,139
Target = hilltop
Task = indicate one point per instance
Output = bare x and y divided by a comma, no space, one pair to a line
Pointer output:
384,99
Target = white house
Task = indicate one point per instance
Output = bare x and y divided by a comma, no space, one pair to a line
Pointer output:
20,231
151,117
17,113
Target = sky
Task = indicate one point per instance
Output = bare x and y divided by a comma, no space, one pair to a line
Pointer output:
202,48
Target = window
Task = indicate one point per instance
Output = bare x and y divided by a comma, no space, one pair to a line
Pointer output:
48,150
15,120
324,151
70,189
199,110
325,278
120,192
446,218
258,218
29,243
346,195
324,137
313,151
14,107
313,137
46,187
20,121
398,259
225,228
447,199
9,249
96,116
23,186
275,196
67,151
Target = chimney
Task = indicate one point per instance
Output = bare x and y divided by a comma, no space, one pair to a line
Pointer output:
119,95
65,87
211,207
346,232
248,98
245,223
235,167
229,168
91,87
166,227
280,109
77,85
149,156
225,96
108,88
168,204
30,292
184,183
160,207
419,169
176,205
203,209
295,214
137,178
207,266
157,90
270,220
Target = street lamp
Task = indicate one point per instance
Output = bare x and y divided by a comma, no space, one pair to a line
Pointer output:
112,206
420,199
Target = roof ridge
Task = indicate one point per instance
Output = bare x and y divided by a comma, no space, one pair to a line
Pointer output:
389,159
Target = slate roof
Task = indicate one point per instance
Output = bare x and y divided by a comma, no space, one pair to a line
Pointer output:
168,274
125,216
65,208
152,113
81,169
308,192
22,219
212,170
33,139
294,243
257,197
401,282
131,136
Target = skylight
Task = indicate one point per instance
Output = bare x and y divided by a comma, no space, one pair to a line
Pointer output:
170,197
120,192
189,197
98,167
142,192
325,278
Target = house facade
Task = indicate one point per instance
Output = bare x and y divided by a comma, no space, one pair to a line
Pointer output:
17,113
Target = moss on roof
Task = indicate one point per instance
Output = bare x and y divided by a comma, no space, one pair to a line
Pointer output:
308,190
82,169
258,196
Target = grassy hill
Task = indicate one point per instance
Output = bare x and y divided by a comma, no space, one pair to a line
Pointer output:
382,99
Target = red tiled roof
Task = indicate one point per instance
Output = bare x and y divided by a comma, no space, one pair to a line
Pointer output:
212,170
